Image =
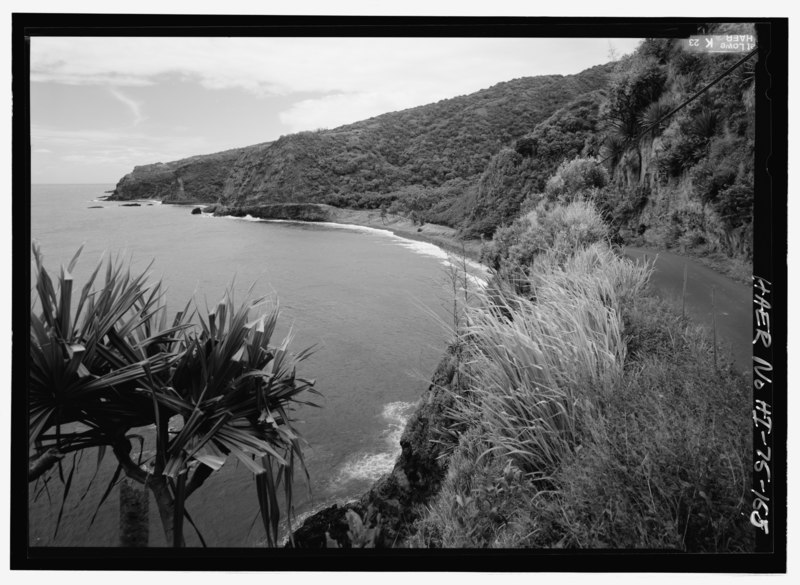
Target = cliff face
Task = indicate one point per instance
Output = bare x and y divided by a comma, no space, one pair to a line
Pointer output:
519,171
196,179
445,143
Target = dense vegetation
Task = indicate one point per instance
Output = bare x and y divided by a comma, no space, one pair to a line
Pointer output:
573,409
689,182
581,412
686,183
474,162
108,365
586,413
439,149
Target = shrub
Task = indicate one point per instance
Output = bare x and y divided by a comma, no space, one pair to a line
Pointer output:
659,49
636,87
705,124
652,114
562,228
481,495
708,178
575,176
735,204
681,152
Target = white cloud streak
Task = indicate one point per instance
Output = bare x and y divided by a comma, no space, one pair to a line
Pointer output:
134,106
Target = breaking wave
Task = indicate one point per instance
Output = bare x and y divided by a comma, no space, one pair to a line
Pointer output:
371,466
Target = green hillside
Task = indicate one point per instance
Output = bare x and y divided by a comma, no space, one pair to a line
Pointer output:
437,151
478,161
687,183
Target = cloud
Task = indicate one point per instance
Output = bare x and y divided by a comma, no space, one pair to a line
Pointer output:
134,106
320,83
101,147
282,66
336,110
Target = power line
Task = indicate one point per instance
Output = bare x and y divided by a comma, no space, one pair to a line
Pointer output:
691,99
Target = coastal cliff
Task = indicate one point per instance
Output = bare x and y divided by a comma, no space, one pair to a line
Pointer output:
443,146
396,500
474,163
551,169
196,179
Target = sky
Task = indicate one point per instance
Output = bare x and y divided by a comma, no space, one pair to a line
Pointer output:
100,106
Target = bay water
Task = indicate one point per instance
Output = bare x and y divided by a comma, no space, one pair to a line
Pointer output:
375,305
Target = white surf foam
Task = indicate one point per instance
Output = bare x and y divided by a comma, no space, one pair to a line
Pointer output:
247,217
371,466
477,273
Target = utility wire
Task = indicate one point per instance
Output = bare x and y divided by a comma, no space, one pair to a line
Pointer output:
691,99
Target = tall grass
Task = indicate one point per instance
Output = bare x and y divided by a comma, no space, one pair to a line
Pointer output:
534,375
593,418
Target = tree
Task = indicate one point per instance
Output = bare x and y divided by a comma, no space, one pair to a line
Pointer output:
111,364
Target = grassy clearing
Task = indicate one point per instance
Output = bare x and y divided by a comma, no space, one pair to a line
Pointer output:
593,418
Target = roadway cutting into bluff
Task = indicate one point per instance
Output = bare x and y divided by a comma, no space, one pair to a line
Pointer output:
732,300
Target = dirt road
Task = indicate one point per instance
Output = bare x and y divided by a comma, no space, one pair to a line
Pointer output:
733,301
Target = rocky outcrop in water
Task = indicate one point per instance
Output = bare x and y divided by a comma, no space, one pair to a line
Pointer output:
286,211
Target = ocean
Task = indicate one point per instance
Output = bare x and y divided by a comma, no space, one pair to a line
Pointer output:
375,305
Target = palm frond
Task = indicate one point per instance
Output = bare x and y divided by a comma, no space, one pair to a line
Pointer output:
110,362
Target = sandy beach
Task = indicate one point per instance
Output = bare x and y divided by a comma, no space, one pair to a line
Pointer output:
439,235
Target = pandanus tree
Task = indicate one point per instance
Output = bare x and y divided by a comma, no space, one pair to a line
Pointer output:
104,363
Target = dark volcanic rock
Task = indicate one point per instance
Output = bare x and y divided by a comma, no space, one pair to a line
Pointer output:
394,502
197,211
290,211
328,523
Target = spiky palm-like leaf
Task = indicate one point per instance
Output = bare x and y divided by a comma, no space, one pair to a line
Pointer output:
627,126
113,365
613,148
235,392
85,365
649,120
706,124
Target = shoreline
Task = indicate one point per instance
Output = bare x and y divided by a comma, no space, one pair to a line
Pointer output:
439,235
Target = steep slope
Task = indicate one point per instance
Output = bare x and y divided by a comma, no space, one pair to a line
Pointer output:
443,146
686,183
518,172
198,178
